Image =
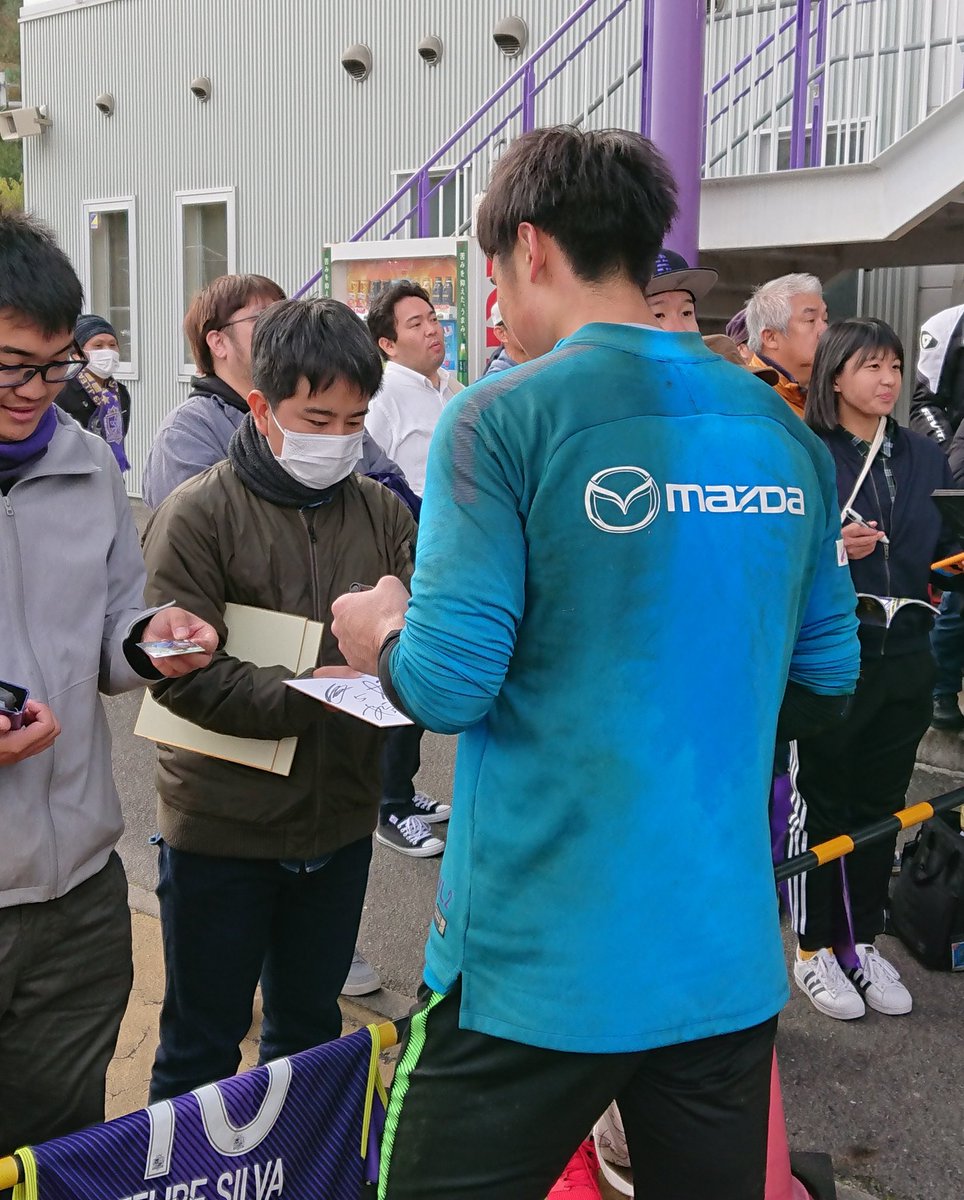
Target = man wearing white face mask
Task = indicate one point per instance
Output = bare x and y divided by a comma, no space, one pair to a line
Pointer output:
96,399
260,875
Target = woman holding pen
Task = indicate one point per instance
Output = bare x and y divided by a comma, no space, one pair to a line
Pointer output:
859,771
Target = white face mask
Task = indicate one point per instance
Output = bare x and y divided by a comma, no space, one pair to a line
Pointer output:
103,363
319,460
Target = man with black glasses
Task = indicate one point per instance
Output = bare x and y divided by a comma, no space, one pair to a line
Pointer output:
219,327
72,598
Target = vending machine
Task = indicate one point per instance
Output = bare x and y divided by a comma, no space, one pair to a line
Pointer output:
453,271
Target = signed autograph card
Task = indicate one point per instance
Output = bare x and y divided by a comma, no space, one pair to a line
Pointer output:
359,697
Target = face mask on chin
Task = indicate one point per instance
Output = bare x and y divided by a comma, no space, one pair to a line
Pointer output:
103,363
318,460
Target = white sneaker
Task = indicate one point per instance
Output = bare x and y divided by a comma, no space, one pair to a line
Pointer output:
878,981
362,979
829,989
613,1152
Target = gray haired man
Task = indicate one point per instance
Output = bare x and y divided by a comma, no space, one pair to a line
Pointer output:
785,319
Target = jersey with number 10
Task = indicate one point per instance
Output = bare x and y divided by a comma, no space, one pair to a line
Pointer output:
298,1128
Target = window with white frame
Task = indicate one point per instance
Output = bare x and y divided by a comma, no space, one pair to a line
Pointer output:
111,272
844,143
206,249
446,206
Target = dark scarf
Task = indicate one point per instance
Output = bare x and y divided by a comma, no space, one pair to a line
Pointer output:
258,469
16,456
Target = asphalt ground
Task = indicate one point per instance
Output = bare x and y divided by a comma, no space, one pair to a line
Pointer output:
882,1095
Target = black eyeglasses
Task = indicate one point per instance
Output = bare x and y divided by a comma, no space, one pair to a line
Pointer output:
241,320
52,372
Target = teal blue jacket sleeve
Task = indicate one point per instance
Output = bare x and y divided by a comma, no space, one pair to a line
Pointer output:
468,590
826,657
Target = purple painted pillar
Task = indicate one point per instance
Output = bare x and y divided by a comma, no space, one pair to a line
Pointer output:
820,64
646,71
801,76
676,108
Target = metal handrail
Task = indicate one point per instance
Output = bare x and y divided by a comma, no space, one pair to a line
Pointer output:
813,74
835,60
520,74
528,99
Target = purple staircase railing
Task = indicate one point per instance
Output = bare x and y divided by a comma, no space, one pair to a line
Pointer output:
512,108
819,76
804,77
802,37
524,78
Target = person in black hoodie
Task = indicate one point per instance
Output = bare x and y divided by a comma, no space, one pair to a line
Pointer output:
195,435
859,770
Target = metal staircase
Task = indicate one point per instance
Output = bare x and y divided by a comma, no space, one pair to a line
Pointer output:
793,87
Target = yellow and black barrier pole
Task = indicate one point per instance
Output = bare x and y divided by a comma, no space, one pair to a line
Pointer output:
841,846
11,1172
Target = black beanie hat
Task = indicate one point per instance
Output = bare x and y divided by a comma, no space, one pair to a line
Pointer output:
89,325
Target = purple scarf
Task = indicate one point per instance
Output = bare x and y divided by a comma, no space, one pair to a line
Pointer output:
107,420
15,456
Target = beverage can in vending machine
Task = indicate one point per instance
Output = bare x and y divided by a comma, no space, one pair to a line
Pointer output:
448,290
437,290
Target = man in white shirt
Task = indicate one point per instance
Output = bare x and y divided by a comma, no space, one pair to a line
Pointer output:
403,415
416,388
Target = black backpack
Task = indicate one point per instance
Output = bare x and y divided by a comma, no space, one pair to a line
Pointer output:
927,901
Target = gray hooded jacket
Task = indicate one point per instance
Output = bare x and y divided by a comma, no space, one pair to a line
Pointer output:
195,436
71,588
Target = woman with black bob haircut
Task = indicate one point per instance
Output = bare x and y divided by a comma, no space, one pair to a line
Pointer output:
859,771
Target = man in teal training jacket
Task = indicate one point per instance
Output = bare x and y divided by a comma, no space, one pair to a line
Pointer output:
627,577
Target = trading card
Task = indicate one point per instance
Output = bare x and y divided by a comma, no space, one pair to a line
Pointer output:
170,648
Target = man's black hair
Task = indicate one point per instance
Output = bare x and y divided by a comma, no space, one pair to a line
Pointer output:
608,198
857,337
381,315
322,341
37,282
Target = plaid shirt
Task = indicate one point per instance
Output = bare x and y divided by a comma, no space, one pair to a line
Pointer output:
884,454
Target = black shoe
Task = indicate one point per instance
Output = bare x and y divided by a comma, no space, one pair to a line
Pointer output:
947,713
410,836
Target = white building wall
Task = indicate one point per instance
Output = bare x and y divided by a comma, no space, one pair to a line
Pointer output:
309,151
309,154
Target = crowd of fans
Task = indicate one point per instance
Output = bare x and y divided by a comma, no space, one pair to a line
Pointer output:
318,462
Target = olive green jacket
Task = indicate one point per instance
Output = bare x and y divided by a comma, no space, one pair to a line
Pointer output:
213,541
